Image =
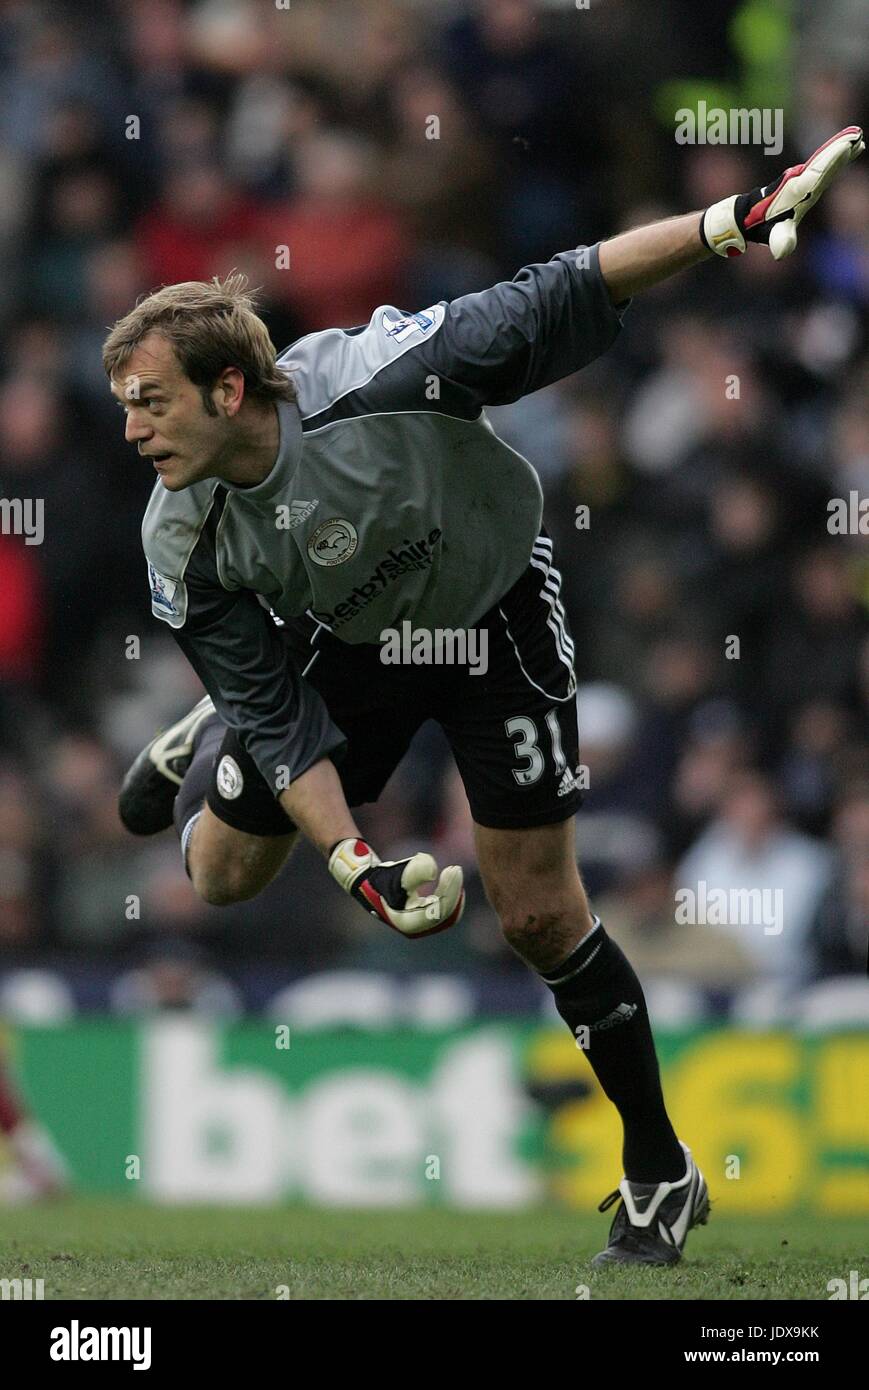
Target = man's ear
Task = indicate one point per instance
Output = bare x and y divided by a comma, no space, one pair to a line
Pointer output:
229,391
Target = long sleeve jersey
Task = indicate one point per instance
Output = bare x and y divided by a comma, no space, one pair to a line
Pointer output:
391,497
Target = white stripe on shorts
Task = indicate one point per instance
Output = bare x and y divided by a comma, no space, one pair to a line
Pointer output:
550,592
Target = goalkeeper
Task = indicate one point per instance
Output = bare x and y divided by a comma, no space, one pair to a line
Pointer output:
304,505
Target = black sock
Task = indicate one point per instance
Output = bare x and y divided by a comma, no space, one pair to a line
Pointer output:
191,793
596,989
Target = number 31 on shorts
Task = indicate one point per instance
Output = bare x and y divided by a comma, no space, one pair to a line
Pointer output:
526,743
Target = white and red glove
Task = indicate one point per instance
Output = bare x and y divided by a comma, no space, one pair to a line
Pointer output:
389,890
773,214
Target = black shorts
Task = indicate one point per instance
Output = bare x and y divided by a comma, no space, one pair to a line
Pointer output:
512,727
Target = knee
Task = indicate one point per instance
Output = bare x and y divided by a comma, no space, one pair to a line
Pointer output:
545,922
219,886
530,931
536,909
231,867
221,876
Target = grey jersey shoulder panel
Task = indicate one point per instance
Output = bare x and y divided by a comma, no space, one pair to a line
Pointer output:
331,365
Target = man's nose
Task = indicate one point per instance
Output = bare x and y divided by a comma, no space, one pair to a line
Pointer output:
136,428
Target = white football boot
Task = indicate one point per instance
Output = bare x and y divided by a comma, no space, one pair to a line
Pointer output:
151,785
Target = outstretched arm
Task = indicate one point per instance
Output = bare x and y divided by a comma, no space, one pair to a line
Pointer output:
638,259
552,319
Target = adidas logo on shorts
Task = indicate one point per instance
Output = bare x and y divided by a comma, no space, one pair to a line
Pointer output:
568,782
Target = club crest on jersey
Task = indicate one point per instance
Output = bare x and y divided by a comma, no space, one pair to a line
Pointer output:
162,593
230,782
333,542
423,323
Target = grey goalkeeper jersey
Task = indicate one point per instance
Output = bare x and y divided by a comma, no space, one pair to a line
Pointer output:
391,497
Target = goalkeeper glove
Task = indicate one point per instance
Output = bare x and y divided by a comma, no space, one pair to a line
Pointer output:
773,214
389,890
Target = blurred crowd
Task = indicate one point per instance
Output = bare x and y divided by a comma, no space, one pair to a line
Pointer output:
405,153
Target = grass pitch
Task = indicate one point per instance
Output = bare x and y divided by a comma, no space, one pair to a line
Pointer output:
102,1249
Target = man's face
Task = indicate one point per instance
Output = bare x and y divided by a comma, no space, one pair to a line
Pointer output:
166,416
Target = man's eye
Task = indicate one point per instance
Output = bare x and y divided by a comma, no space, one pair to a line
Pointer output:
148,402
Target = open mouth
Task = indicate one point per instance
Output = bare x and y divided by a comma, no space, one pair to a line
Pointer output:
158,459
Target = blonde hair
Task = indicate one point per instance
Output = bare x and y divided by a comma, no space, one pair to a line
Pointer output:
211,325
